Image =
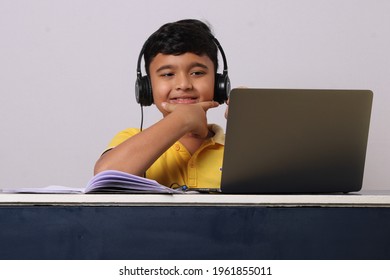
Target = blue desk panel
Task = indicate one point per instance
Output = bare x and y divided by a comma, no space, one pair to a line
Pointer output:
193,232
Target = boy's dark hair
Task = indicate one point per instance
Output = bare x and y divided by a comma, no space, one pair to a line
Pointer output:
176,38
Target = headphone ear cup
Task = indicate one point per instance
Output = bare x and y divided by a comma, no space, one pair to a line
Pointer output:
222,88
143,91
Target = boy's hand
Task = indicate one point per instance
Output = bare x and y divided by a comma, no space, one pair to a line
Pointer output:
194,115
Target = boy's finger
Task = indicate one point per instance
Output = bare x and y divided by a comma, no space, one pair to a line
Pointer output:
168,106
205,105
208,104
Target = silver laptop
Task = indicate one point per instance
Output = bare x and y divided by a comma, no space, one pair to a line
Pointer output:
295,141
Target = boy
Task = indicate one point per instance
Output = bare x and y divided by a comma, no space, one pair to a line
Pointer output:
182,149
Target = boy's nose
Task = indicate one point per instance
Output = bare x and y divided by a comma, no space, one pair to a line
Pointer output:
183,82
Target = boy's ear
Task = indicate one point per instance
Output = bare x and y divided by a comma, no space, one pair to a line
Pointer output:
222,87
143,90
222,81
143,86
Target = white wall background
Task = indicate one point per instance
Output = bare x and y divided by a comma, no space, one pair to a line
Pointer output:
67,71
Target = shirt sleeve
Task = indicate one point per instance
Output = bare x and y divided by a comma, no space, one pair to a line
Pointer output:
122,136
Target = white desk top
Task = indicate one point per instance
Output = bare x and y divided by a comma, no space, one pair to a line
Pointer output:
360,199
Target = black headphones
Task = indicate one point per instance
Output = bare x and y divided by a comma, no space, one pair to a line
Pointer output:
143,87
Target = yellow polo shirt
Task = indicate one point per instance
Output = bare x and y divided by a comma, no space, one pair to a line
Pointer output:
177,167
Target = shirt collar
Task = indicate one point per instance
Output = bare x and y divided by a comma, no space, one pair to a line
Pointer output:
219,135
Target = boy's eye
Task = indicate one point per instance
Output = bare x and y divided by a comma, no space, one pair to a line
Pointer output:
168,74
197,73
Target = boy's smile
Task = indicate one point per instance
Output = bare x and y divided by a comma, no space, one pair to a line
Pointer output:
182,79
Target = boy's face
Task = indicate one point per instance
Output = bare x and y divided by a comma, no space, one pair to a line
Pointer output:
181,79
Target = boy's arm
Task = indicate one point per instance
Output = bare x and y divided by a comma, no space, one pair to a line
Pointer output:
138,153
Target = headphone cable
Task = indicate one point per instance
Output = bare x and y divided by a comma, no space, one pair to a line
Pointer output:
142,118
141,125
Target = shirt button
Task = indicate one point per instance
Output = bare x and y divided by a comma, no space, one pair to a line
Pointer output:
177,147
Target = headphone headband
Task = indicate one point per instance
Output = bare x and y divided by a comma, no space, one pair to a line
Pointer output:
225,66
